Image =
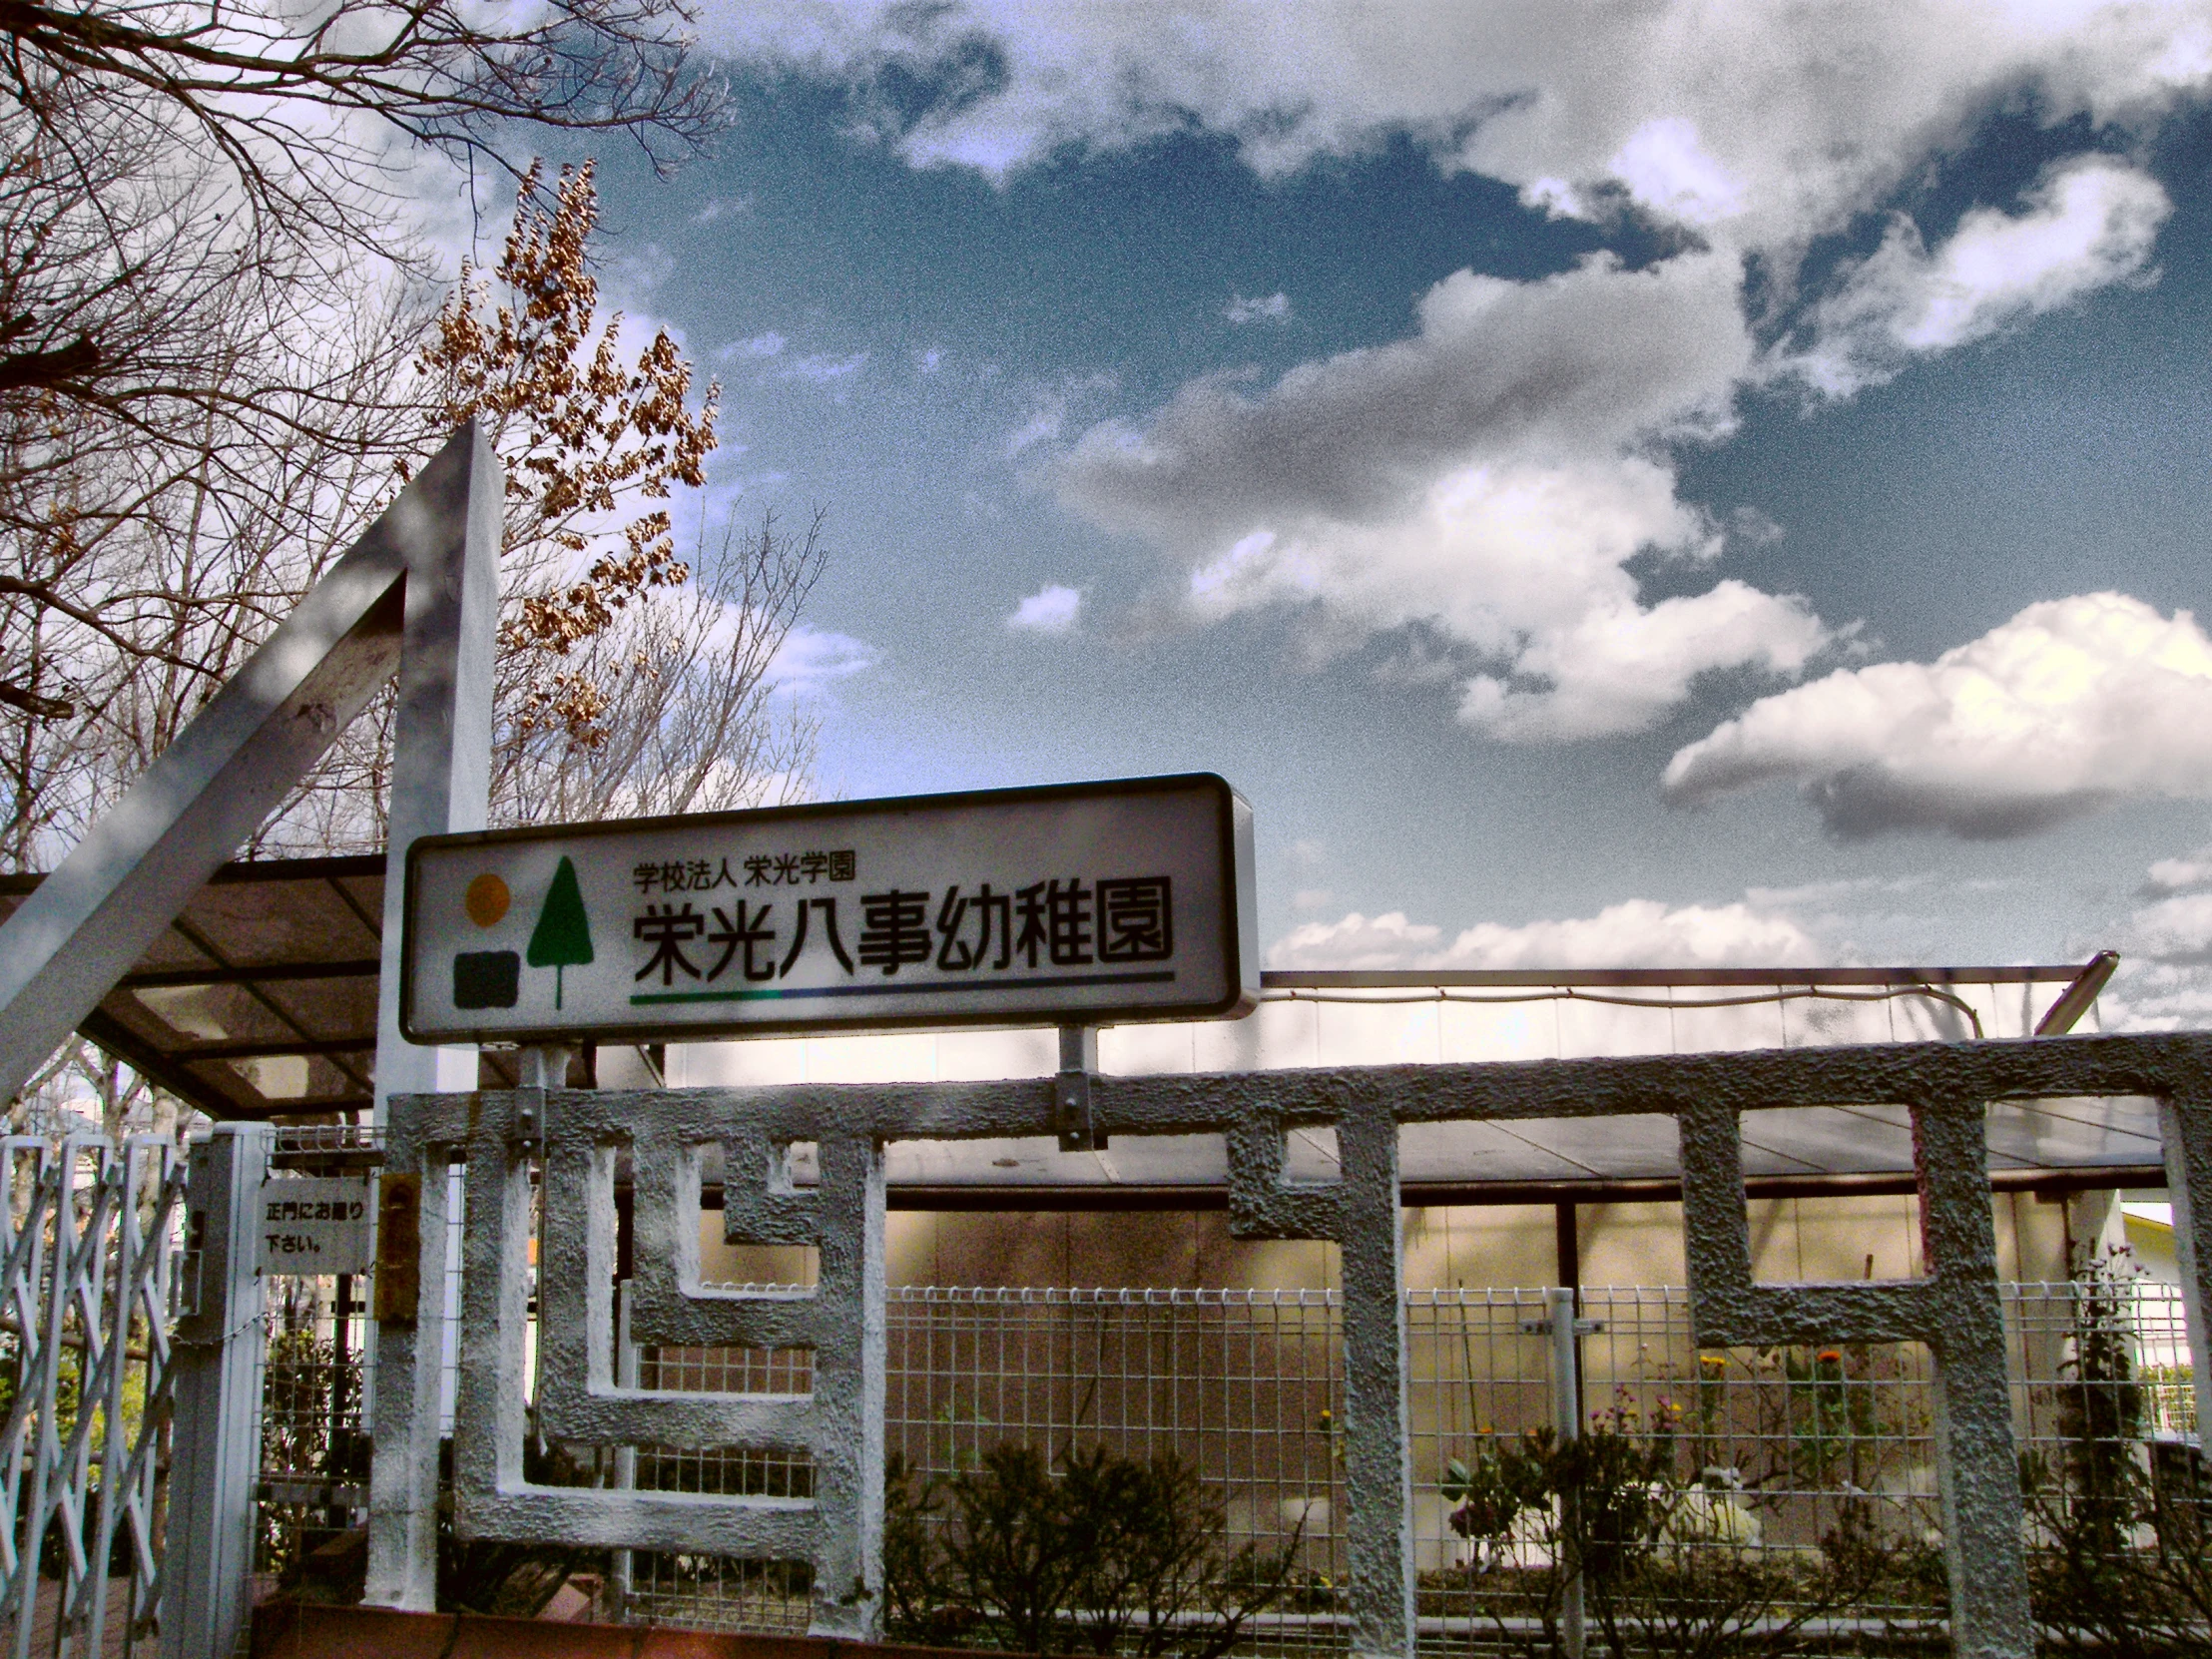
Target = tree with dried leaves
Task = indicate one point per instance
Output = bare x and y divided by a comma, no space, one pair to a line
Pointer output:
629,680
183,188
623,683
217,356
584,435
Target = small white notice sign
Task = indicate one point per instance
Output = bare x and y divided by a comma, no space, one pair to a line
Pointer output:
317,1224
1091,903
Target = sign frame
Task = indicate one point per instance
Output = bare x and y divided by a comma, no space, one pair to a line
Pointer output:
1239,919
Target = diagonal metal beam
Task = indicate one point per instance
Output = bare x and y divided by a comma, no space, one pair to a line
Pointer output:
415,597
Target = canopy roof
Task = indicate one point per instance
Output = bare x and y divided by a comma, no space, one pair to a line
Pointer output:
261,998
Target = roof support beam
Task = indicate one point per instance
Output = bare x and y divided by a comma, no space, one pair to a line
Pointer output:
415,596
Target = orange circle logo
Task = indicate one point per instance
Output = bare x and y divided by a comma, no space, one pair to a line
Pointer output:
486,900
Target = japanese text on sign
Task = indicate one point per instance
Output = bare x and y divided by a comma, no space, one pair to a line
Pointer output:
1051,924
761,869
316,1224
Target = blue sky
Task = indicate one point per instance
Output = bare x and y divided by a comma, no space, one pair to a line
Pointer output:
1609,484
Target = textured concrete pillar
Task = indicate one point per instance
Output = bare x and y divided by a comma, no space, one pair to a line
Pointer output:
1359,1211
1974,1445
849,1391
409,1312
1955,1311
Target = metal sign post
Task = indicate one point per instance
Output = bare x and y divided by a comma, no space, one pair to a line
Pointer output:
1079,905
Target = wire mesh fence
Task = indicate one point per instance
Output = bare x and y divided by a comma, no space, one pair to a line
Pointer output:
1782,1494
1776,1458
314,1436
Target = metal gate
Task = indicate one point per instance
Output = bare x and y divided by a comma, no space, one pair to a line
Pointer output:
88,1265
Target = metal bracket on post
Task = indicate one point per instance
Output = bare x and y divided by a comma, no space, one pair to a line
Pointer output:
216,1461
1071,1090
540,1067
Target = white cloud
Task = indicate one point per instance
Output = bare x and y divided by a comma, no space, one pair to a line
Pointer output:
2165,975
1048,414
1043,426
1553,198
824,370
1490,478
1639,933
1481,479
2177,930
814,659
2192,869
1667,170
930,361
1780,119
1573,364
2072,704
640,269
1355,942
1052,609
1622,669
1276,307
2089,224
767,344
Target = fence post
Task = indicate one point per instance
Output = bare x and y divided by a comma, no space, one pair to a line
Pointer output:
216,1461
1566,1421
1361,1211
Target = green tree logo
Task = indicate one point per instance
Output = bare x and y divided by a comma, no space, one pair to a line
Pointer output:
562,939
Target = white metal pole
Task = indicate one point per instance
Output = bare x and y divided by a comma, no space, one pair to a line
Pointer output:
1566,1421
625,1456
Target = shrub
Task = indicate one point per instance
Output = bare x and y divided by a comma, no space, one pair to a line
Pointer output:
1105,1555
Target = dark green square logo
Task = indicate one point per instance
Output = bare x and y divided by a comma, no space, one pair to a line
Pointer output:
486,978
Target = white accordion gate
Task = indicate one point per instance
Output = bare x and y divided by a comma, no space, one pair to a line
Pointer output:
86,1262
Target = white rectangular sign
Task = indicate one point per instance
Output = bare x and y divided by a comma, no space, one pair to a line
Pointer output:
317,1224
1092,903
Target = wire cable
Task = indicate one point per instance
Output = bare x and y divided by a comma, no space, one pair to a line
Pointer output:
1569,993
